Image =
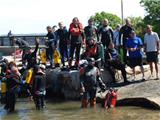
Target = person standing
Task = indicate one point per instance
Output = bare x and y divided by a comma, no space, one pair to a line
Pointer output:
106,33
124,35
91,31
38,87
116,41
62,35
12,83
134,45
152,47
51,44
90,79
76,35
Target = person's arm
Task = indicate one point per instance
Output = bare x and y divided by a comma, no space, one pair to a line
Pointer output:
82,80
112,36
120,36
158,43
37,46
100,82
97,35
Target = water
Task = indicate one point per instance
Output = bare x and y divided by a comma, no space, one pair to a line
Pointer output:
72,111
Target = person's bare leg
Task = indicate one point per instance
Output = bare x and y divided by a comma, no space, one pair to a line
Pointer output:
151,68
134,73
156,68
142,71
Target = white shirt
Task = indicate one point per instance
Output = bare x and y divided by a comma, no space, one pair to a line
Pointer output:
151,41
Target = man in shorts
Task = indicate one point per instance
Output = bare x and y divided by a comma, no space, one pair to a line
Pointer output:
151,41
134,45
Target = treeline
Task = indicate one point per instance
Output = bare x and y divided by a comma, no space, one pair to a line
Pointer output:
152,17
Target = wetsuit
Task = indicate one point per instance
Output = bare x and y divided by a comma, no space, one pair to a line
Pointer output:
62,35
31,58
50,43
91,33
38,89
12,81
95,51
76,36
106,34
90,79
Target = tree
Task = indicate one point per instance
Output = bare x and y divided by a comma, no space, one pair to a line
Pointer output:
139,25
114,20
152,17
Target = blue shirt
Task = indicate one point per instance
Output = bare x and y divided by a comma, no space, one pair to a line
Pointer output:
134,43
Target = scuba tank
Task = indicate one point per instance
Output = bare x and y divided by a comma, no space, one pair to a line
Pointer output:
3,86
29,76
43,57
57,57
114,98
111,98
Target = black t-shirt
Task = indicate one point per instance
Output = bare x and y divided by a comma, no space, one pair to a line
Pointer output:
62,35
125,31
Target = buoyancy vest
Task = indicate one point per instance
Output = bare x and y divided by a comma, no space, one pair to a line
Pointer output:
76,30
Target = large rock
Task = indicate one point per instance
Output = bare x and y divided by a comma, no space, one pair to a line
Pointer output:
139,93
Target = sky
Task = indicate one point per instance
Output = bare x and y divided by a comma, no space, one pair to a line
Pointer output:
32,16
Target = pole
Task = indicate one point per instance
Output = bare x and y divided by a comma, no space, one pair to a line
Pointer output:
122,17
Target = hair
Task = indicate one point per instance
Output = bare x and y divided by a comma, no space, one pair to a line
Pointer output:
149,26
75,18
48,27
91,19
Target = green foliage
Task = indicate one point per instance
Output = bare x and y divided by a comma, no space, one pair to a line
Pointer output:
152,8
114,20
138,25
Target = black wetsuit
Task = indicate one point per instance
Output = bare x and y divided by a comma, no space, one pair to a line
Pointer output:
38,89
31,58
24,45
91,33
106,34
62,35
11,83
50,50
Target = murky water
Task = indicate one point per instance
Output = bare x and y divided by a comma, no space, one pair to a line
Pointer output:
72,111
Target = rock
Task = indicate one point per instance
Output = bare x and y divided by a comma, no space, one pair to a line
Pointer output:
145,94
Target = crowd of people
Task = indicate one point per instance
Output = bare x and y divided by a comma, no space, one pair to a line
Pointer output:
101,47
